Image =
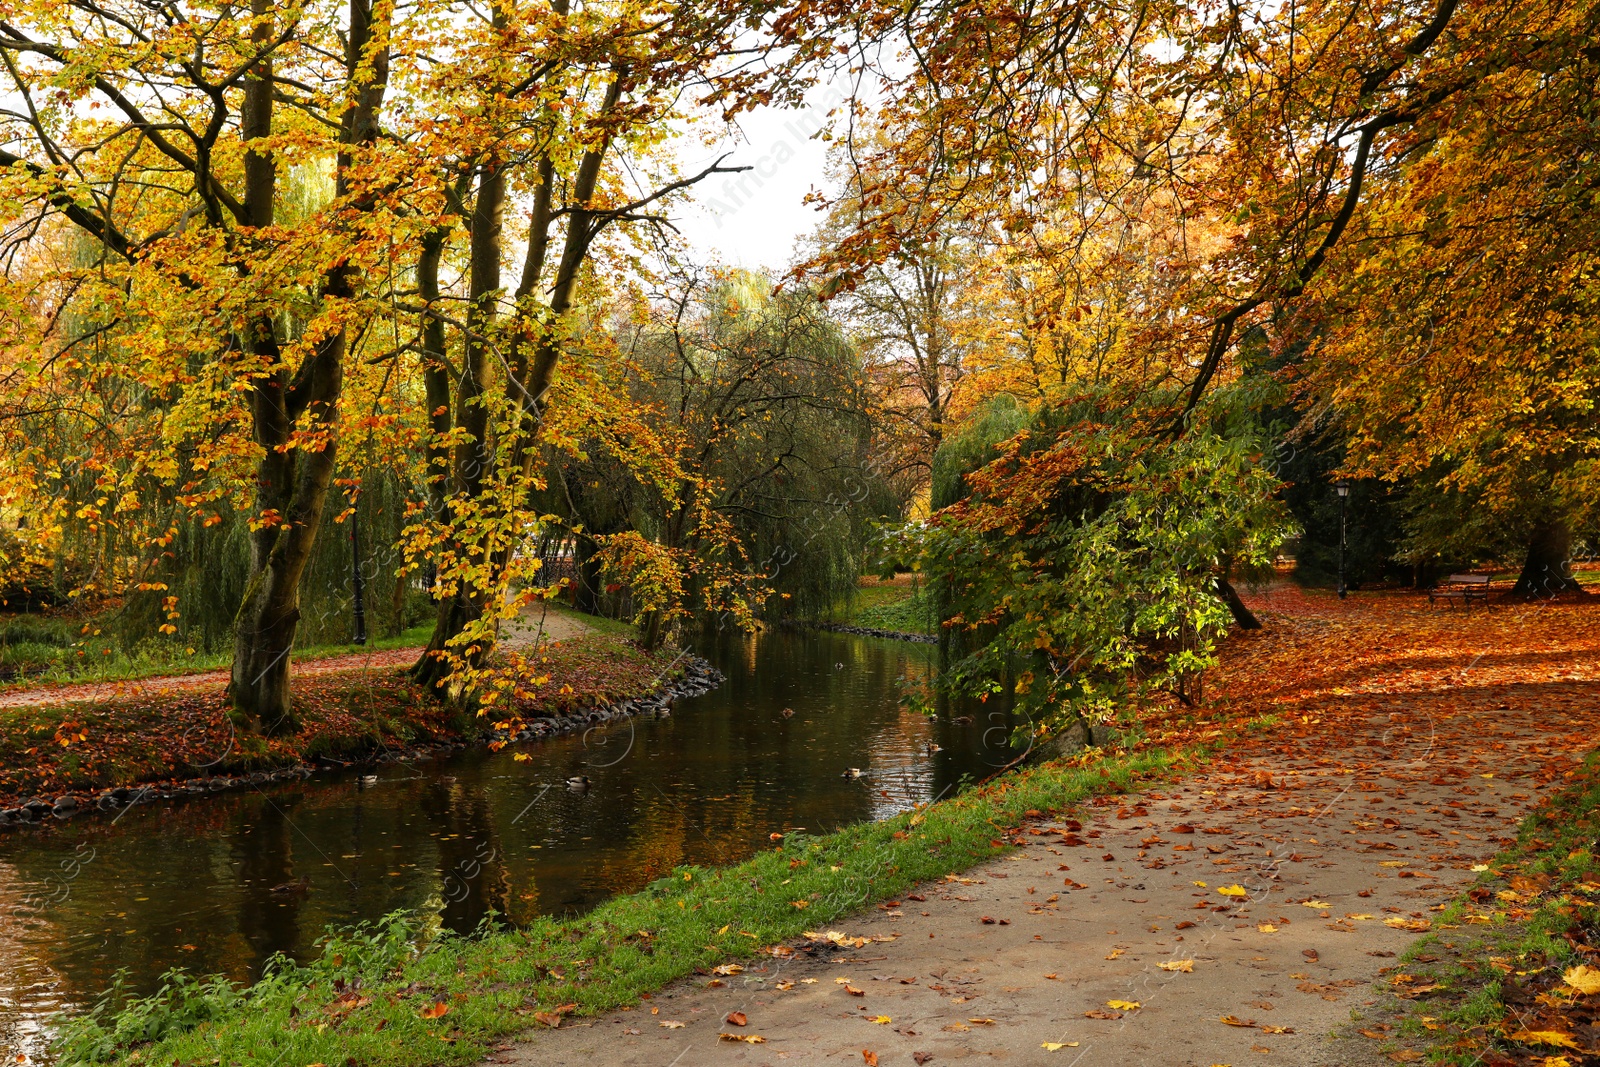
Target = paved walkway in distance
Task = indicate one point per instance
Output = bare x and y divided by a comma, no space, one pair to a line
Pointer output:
1408,747
530,627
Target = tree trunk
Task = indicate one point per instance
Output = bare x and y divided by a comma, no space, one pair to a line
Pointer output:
292,483
528,382
1547,569
470,465
1241,614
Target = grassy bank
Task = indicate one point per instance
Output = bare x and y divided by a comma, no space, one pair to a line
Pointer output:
1502,982
164,735
900,603
374,999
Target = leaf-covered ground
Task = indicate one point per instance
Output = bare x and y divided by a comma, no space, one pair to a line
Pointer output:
1373,754
133,733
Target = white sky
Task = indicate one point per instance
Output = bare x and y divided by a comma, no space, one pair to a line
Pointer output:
752,219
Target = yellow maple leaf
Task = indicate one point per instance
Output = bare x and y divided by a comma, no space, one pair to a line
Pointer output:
1266,928
1057,1046
1315,904
1123,1005
1181,966
1544,1037
1584,978
1233,891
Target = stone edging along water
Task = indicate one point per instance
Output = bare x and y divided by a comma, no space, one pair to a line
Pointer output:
698,677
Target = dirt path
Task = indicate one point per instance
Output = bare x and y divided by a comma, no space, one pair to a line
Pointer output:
532,626
1410,745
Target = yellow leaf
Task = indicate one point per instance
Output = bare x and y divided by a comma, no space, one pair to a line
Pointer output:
1123,1005
1115,953
1544,1037
1266,928
749,1039
1233,891
882,1019
1057,1046
1201,885
1316,904
1181,966
1584,978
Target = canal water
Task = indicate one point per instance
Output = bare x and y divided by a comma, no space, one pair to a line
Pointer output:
218,885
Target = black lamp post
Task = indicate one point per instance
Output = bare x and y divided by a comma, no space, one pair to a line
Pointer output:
1343,488
357,582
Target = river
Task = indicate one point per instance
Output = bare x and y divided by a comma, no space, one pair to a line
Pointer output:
192,884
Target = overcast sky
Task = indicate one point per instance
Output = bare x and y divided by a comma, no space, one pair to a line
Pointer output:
752,219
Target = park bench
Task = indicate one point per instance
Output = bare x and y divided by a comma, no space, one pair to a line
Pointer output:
1463,587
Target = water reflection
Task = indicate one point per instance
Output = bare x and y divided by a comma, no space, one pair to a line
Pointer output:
222,884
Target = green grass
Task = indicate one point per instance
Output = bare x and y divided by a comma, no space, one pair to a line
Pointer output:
902,606
688,921
1482,936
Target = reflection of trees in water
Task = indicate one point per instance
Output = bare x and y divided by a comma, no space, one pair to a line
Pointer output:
704,787
263,853
472,877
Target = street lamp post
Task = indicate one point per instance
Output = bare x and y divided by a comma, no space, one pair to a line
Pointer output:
1344,493
357,580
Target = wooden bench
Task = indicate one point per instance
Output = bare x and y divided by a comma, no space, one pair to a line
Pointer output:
1463,587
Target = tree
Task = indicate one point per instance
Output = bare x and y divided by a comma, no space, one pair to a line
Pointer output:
762,409
562,101
1455,342
1085,564
182,303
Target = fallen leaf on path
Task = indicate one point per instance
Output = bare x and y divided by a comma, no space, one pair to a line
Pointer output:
1277,1029
1315,904
749,1039
1115,953
869,1058
1234,891
1266,928
981,1022
727,969
1397,923
921,1057
668,1024
736,1018
1405,1055
1098,1013
956,1028
784,986
882,1019
854,992
1234,1020
1055,1046
1123,1005
1180,966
